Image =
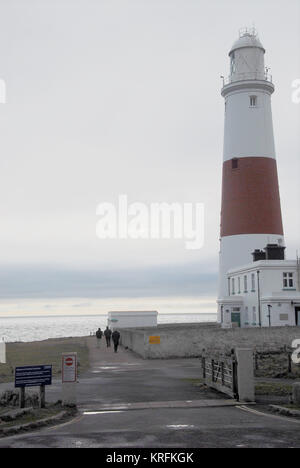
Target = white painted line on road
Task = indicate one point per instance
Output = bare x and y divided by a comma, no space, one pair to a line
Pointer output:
88,413
180,426
107,367
260,413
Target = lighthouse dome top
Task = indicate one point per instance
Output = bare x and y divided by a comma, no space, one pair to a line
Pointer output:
247,38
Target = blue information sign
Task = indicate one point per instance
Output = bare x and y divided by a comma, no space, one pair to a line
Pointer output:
33,376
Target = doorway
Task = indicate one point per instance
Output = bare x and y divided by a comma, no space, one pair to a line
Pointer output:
297,313
236,319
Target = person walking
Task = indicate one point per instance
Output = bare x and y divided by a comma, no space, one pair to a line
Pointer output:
107,334
99,336
116,338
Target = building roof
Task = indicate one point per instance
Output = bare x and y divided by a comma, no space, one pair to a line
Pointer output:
247,39
134,312
261,264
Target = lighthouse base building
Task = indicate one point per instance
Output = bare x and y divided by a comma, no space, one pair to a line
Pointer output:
263,293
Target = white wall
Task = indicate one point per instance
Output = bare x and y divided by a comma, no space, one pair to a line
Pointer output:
282,313
271,287
189,341
132,319
237,250
248,131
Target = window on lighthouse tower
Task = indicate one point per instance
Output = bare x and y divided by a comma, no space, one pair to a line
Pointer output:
253,101
232,64
235,163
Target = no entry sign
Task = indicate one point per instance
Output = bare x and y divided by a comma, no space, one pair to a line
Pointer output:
69,367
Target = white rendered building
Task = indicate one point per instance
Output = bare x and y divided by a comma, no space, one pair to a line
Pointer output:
263,293
132,319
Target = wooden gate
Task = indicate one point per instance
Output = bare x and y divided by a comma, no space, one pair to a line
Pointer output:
220,372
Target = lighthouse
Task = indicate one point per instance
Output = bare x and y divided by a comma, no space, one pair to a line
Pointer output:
251,212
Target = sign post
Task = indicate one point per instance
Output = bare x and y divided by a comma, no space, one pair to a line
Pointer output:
69,378
33,376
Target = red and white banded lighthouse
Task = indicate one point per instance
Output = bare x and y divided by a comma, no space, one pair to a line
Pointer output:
251,213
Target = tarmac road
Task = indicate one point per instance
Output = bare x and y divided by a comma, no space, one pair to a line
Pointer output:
162,428
125,401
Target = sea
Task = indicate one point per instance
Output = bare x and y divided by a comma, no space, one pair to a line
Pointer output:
38,328
40,319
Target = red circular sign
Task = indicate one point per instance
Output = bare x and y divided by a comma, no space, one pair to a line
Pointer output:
69,361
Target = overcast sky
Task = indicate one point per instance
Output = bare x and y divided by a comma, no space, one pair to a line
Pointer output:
123,97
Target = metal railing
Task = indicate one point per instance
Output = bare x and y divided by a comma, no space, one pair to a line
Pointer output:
248,32
247,76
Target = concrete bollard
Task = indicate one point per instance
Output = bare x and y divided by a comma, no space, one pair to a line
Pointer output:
2,352
296,393
245,374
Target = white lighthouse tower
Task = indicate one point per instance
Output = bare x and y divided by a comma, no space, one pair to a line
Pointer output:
251,213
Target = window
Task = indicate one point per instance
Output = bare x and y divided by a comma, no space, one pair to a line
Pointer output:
246,316
232,64
233,286
234,163
253,101
288,280
239,285
245,284
253,282
254,315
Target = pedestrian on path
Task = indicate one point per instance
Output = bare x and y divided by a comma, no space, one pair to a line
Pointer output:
99,336
107,334
116,338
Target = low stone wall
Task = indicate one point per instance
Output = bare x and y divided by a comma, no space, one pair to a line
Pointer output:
188,340
134,339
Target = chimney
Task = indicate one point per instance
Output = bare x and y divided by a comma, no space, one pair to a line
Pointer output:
274,252
258,255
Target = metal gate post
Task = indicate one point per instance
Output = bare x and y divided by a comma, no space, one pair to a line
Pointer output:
22,397
42,402
235,388
203,367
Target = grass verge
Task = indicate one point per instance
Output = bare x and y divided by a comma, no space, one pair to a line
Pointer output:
273,388
32,416
44,352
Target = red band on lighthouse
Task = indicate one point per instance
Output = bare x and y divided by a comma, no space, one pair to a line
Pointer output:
250,197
